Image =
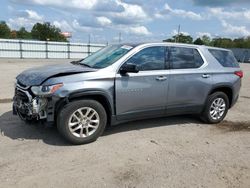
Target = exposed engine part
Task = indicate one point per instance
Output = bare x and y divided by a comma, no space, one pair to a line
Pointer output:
28,107
39,107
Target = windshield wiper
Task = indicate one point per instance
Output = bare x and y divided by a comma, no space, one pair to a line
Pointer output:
86,65
77,62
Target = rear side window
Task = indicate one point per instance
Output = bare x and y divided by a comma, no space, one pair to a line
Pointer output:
185,58
225,58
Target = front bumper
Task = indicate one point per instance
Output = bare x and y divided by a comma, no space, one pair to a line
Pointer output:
28,106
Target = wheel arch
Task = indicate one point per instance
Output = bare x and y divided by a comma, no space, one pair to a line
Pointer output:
227,89
99,96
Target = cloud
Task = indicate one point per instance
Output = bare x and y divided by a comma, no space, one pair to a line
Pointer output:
108,5
116,39
138,30
235,30
221,13
21,22
201,34
29,14
168,11
104,21
216,3
175,32
134,2
95,5
33,15
63,25
97,12
96,23
132,14
84,28
25,18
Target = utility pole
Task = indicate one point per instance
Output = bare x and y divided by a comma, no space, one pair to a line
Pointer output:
88,45
178,35
120,37
89,39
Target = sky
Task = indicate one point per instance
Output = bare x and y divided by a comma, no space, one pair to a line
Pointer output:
136,20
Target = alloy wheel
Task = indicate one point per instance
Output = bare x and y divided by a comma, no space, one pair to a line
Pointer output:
217,108
84,122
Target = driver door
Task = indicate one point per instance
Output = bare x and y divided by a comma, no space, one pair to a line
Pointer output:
143,94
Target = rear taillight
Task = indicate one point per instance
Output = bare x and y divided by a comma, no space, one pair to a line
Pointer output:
239,73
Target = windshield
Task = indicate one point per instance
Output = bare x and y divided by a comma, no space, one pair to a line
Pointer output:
106,56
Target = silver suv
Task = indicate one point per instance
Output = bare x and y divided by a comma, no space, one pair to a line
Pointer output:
127,82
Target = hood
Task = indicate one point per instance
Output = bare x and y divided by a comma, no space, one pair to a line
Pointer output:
36,76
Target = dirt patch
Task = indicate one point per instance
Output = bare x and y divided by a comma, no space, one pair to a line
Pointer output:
128,177
235,125
5,100
245,97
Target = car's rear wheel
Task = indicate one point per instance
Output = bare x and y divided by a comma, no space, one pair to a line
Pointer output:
81,122
216,108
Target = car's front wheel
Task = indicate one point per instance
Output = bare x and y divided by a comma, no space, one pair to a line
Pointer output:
81,122
216,108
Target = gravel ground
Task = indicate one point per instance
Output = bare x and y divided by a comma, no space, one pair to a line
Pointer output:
165,152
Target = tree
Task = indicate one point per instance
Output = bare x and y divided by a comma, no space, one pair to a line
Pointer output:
181,38
206,40
222,42
247,42
168,40
13,34
198,41
46,31
239,43
4,30
23,34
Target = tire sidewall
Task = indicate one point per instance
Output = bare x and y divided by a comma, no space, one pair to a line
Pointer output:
211,98
69,109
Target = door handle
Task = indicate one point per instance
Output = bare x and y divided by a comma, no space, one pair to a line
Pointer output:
206,76
161,78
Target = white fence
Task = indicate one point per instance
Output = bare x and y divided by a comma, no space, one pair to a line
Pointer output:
42,49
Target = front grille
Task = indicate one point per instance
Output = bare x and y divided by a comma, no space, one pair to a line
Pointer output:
21,95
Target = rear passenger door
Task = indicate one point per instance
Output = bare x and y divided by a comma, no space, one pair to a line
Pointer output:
189,83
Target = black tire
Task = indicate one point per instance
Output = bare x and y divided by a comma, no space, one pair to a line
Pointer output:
65,114
206,116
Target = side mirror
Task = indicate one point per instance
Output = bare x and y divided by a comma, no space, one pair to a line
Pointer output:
129,68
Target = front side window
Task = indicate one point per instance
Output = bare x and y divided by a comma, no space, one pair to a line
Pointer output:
151,58
185,58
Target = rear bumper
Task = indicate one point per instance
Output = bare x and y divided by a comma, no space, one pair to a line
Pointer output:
236,92
235,99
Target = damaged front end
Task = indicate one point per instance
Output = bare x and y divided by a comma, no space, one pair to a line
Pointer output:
27,105
35,102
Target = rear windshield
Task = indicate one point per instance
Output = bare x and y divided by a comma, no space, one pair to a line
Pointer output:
225,58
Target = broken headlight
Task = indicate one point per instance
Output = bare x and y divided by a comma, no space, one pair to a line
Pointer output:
45,90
